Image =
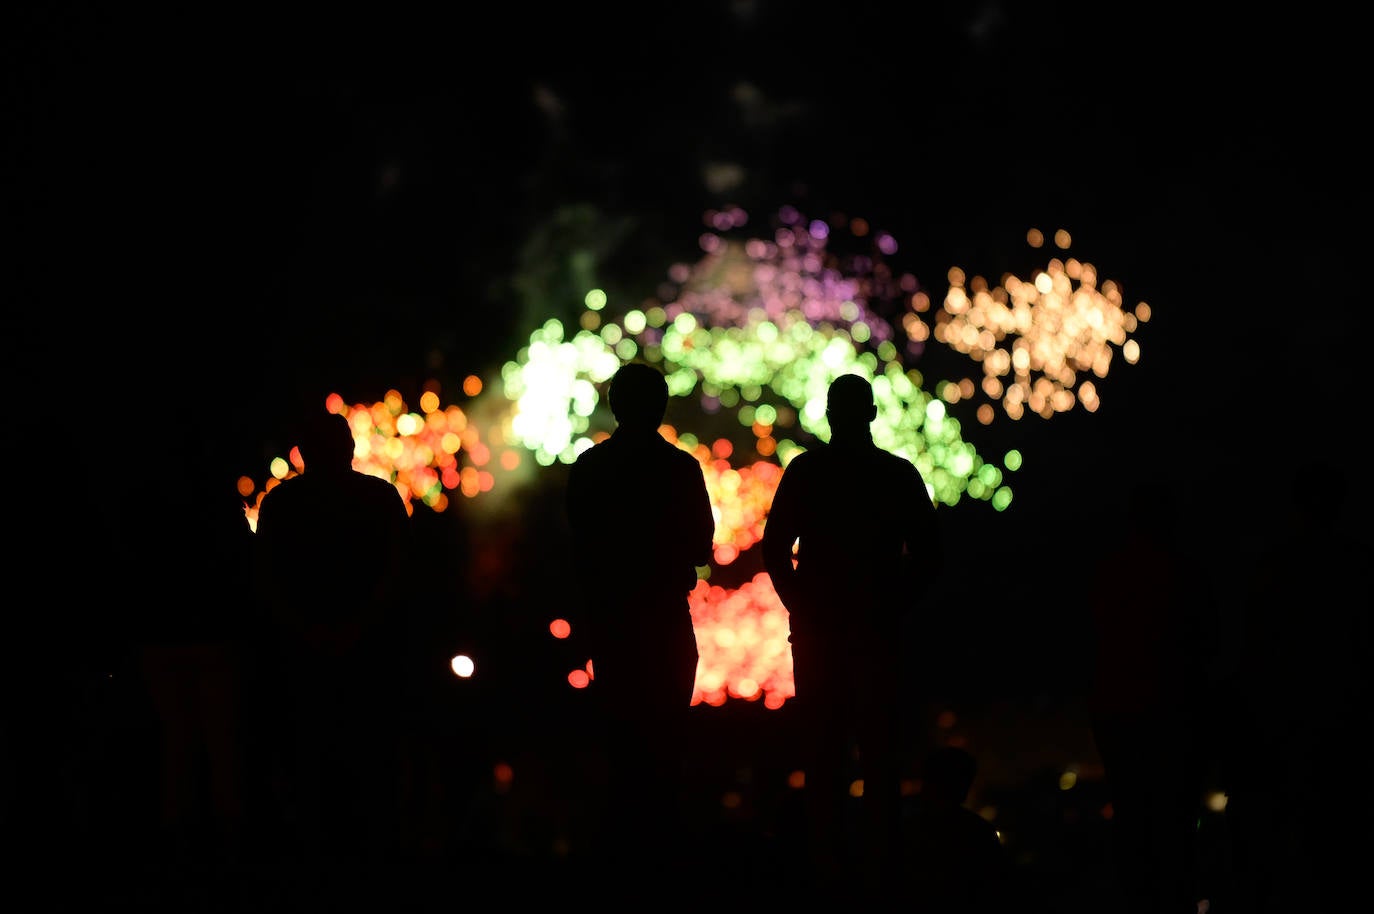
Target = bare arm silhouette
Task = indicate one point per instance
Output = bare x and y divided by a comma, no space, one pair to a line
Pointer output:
779,539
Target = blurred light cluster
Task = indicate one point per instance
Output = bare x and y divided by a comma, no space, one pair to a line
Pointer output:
741,498
742,644
755,330
418,452
752,334
1041,341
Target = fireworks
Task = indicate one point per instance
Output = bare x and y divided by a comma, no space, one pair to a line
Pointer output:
753,333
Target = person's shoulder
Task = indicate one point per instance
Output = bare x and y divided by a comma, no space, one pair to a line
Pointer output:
892,458
686,458
899,464
804,459
592,457
290,504
961,825
284,492
373,488
371,479
383,487
977,823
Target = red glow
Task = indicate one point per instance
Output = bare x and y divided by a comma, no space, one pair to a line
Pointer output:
741,633
742,644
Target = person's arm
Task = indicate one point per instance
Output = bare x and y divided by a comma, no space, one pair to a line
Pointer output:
691,534
780,533
577,510
390,584
924,551
704,523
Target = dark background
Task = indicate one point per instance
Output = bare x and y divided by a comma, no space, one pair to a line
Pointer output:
225,214
223,218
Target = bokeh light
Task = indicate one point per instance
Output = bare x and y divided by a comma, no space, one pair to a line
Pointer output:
751,334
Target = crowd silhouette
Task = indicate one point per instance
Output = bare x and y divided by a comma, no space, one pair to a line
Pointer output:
289,735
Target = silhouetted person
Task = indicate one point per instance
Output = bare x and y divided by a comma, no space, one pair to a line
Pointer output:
331,542
1296,768
641,522
1155,637
866,539
954,858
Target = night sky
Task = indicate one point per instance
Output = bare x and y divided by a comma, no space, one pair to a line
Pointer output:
226,217
226,212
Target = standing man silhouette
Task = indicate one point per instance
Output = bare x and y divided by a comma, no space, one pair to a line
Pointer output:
641,523
331,542
850,540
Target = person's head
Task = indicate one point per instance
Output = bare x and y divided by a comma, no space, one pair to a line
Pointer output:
326,441
947,774
639,396
849,406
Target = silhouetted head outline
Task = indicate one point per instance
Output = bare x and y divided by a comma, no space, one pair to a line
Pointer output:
849,405
326,442
639,396
948,773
